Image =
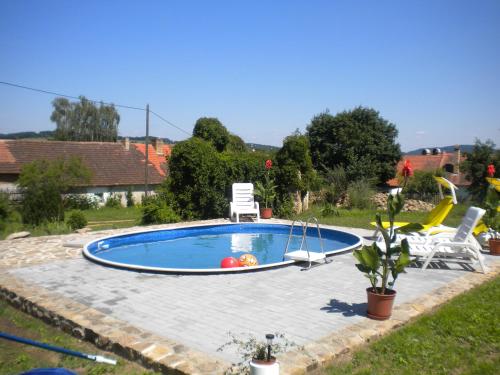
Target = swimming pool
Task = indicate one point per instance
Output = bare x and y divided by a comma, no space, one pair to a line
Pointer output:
200,249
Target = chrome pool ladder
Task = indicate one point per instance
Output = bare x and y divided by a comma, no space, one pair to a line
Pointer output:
305,255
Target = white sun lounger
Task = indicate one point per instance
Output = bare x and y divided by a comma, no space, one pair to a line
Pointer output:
243,201
459,245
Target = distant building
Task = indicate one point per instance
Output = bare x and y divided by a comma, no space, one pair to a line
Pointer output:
115,167
431,160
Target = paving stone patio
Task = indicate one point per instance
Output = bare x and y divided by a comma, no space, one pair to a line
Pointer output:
176,323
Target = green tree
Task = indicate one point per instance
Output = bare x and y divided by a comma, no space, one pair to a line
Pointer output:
295,168
211,129
236,144
360,141
43,182
295,173
197,180
476,164
84,121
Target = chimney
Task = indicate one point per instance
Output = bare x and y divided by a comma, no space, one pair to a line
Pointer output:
158,146
126,143
457,151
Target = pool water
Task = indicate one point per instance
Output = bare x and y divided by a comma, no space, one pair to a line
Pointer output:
204,247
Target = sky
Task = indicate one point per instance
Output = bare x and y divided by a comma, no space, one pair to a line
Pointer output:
263,68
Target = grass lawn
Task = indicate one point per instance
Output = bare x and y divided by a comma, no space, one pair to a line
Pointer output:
461,337
113,218
361,218
16,358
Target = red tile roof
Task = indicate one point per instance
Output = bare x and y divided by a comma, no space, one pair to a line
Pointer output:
432,163
158,161
110,163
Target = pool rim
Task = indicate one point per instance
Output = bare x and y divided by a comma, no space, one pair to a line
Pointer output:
205,271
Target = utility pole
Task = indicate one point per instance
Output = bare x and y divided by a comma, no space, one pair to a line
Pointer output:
147,152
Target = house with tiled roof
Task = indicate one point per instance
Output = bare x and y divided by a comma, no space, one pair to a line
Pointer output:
433,160
115,167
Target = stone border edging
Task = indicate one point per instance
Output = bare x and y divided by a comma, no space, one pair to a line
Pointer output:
88,324
323,352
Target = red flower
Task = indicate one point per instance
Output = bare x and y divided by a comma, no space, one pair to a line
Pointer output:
269,164
407,169
491,170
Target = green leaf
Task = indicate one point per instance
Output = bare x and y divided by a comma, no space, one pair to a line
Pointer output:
368,256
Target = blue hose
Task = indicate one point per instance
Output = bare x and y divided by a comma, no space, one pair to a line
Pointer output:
58,349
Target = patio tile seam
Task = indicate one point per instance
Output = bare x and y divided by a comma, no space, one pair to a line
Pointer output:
108,333
324,351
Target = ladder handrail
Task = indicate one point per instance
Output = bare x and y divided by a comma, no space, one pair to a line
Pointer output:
311,218
290,236
304,237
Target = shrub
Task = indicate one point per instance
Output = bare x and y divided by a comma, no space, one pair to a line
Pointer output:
360,193
5,210
329,210
284,206
155,210
76,220
43,183
130,198
80,202
337,183
114,201
422,185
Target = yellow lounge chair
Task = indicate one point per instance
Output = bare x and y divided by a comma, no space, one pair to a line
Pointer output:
435,217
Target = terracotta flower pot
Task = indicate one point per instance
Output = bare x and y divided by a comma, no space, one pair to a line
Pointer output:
266,213
380,305
494,246
262,367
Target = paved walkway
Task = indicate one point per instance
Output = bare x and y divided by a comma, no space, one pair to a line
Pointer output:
191,316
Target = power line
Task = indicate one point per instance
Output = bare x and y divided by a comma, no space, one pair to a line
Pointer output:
93,101
69,96
168,122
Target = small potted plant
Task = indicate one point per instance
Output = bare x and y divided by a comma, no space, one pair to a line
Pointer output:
380,264
491,218
266,192
257,356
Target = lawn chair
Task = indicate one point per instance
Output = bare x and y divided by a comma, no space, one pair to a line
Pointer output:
243,202
433,221
459,245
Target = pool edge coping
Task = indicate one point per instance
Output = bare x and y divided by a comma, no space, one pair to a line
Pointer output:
210,271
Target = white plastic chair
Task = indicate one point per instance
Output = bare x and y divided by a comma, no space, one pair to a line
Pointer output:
243,202
459,245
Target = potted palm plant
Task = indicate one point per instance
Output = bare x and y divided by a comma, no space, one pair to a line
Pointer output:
380,265
491,218
267,192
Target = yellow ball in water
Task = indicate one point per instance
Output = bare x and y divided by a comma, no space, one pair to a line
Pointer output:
248,260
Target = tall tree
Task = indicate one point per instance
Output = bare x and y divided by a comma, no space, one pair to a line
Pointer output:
84,121
476,165
211,129
295,173
360,141
197,180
